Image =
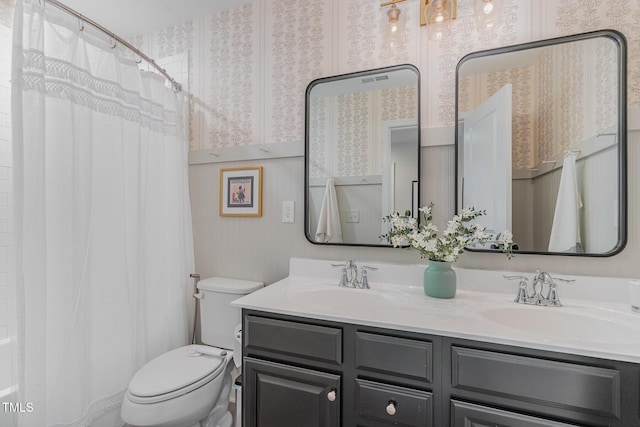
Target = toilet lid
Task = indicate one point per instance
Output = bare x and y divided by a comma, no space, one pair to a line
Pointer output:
176,372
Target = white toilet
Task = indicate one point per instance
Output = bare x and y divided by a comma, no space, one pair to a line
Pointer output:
190,386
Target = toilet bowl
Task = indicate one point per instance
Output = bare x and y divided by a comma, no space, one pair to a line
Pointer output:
180,388
190,385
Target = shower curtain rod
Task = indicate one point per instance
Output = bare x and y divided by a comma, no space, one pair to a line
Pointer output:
177,87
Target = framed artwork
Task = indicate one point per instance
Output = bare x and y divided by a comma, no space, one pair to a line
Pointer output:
241,191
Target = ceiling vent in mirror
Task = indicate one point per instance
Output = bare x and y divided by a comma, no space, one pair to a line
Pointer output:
375,79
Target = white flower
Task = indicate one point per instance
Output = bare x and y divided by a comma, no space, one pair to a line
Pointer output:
506,238
480,235
397,241
467,213
452,226
407,231
426,210
431,228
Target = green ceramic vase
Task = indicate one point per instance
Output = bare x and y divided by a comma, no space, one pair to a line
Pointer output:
439,280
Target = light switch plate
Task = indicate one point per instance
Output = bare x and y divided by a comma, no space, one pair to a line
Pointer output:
288,211
353,215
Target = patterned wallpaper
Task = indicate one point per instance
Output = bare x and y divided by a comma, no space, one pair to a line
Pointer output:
298,52
319,136
353,123
584,75
249,66
476,90
6,12
355,142
563,99
231,65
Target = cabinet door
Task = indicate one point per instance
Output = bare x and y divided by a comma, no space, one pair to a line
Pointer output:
278,395
465,414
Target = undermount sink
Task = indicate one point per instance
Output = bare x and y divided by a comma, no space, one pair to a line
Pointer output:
344,300
559,323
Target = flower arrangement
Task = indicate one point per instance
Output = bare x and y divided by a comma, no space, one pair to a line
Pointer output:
460,233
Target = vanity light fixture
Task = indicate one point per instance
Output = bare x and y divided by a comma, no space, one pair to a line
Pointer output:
437,15
394,33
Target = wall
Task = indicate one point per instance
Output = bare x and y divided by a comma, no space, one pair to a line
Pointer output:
360,197
584,80
247,77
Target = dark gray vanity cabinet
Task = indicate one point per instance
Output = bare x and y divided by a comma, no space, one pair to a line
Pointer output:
490,384
295,379
306,372
303,372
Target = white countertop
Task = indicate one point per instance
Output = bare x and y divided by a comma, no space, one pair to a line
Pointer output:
604,328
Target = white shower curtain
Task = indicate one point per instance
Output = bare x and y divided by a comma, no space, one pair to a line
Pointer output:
103,224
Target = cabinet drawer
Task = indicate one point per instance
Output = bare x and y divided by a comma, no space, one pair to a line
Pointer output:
465,414
404,357
412,407
295,339
563,385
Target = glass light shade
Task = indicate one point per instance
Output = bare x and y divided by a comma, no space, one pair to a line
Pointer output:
488,14
395,28
438,15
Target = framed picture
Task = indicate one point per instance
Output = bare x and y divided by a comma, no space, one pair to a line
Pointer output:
241,191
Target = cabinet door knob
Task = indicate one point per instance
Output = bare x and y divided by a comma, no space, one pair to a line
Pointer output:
331,395
391,408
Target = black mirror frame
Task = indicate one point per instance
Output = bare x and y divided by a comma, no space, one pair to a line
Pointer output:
310,86
620,40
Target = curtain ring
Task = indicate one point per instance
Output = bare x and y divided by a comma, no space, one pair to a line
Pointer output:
137,58
113,43
80,24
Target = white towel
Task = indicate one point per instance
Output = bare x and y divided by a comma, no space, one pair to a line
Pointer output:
329,229
565,232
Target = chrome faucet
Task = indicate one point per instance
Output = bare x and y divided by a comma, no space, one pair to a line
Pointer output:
349,275
540,279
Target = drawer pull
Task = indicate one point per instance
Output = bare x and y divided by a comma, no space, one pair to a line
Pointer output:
391,407
331,396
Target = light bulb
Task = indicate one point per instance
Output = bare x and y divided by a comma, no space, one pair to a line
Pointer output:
438,15
393,15
394,34
487,14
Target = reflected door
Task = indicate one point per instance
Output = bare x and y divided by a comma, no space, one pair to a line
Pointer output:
487,160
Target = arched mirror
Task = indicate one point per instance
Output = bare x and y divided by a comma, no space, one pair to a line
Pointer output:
362,153
541,142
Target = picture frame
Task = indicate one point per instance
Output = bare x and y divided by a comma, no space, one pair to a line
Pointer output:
241,191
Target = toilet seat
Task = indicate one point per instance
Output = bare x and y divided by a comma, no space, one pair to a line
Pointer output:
175,373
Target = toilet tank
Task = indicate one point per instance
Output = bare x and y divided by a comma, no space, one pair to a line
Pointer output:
217,317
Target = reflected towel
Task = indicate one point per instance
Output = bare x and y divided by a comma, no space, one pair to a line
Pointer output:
329,229
237,345
565,232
